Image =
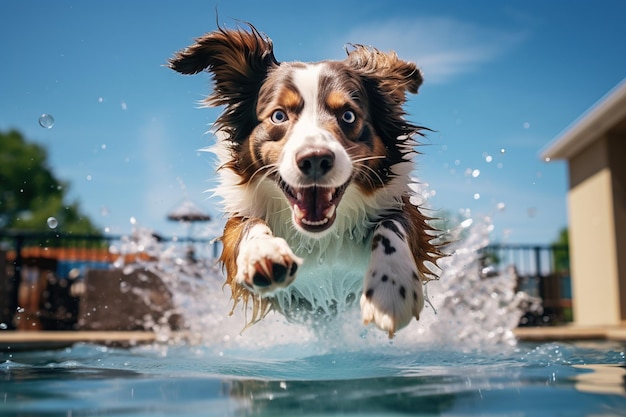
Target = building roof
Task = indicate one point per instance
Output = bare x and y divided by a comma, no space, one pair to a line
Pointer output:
604,115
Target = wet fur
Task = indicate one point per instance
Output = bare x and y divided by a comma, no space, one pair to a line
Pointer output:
250,83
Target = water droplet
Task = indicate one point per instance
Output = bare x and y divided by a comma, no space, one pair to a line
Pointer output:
46,121
89,177
547,159
488,158
501,206
502,150
100,100
526,125
467,223
123,105
133,220
3,326
475,173
103,146
52,222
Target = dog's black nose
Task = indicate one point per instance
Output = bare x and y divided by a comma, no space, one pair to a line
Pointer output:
315,163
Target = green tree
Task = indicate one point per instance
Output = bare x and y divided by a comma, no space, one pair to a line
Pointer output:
30,193
561,251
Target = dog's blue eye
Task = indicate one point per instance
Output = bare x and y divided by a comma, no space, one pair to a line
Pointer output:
278,117
348,117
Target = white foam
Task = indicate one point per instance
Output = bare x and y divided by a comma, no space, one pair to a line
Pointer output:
471,310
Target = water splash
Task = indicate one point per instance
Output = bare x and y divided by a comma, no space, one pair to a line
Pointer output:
52,222
469,309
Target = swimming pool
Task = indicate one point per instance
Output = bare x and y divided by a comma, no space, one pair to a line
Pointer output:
185,380
461,358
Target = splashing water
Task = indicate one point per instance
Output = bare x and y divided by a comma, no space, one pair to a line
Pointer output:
465,308
461,360
52,222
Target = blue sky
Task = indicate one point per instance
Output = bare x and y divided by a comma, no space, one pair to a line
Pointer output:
502,79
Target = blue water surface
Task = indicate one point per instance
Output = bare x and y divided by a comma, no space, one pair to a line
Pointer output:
195,380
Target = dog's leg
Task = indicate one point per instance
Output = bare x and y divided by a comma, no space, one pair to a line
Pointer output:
255,258
392,289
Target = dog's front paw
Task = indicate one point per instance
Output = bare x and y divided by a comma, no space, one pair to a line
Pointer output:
265,264
392,290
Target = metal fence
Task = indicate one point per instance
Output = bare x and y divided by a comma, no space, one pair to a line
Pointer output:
36,268
542,272
530,260
26,257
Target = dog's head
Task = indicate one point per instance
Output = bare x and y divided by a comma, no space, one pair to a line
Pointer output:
314,129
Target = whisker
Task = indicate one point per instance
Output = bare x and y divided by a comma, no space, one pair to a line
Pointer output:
361,169
287,208
368,158
261,169
266,171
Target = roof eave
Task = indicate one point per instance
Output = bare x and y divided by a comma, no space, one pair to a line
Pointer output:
590,126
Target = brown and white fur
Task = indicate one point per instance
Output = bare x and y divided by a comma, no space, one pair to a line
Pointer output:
315,166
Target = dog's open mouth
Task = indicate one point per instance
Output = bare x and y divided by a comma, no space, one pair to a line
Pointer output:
314,207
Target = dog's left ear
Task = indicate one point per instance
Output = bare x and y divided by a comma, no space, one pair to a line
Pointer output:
391,74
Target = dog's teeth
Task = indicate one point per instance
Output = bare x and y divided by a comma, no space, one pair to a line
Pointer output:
298,213
317,223
330,211
329,196
299,196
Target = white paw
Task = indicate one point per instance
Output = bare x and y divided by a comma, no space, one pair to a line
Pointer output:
266,263
392,289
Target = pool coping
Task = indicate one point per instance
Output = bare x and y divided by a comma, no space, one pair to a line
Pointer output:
571,333
37,340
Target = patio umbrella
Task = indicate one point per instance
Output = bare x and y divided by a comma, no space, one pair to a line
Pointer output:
188,212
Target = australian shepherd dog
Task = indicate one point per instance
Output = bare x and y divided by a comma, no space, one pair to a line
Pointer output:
315,173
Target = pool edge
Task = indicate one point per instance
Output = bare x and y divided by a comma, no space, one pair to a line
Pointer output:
11,341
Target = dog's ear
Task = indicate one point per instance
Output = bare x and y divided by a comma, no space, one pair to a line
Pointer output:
391,74
387,79
239,61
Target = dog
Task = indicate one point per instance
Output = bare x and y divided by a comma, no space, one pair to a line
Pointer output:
315,165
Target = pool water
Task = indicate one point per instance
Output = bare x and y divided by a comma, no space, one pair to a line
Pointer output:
461,358
187,380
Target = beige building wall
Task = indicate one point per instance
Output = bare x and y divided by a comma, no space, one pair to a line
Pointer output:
595,148
598,283
617,162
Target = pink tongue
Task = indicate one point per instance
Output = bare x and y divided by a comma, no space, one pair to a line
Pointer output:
313,202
